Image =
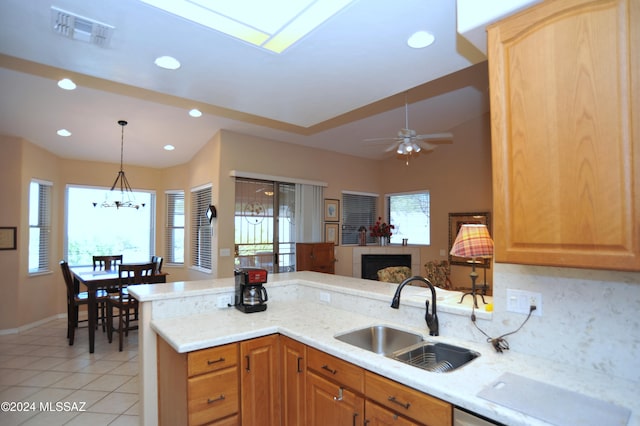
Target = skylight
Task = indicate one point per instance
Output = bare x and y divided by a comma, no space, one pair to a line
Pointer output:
273,25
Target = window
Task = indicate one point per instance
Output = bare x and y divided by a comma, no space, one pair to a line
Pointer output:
106,230
39,226
358,210
200,228
410,214
174,233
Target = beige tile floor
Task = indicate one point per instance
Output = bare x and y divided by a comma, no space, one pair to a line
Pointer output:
38,369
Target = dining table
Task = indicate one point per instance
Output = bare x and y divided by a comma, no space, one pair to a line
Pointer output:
95,280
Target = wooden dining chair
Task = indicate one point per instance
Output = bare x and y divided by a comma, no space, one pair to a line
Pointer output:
125,304
75,299
106,263
157,260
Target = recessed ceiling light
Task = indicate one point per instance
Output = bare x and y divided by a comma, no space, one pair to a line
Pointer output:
421,39
272,25
169,147
66,84
63,132
167,62
195,113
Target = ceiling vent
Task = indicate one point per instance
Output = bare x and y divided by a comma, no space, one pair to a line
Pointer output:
80,28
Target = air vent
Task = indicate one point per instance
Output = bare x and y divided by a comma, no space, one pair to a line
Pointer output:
80,28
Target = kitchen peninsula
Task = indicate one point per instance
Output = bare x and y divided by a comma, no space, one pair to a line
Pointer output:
312,308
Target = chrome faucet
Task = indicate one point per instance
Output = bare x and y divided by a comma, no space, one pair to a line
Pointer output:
431,319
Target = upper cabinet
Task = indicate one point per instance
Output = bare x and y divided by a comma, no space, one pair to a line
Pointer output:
565,112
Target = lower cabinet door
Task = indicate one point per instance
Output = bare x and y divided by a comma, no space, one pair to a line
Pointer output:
376,415
293,370
330,404
212,396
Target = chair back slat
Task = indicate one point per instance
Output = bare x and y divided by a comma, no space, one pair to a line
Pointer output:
66,273
106,263
136,274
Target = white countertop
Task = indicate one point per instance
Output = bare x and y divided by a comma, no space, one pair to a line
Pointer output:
295,311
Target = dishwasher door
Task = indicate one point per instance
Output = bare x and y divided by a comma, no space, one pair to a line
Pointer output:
462,418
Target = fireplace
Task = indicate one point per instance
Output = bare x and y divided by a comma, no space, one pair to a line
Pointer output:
372,263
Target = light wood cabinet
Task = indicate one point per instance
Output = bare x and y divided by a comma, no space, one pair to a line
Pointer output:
565,102
375,415
330,403
260,381
408,402
318,257
199,387
294,366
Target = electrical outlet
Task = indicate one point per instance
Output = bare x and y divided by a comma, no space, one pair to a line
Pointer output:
520,301
325,297
224,301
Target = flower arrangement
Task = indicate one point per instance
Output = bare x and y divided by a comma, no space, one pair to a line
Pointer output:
381,229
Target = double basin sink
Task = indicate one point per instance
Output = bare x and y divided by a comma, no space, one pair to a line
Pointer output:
409,348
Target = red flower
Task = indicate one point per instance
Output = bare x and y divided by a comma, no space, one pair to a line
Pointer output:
381,229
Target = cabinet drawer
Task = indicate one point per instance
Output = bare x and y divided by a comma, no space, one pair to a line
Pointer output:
212,359
376,415
213,396
408,402
346,374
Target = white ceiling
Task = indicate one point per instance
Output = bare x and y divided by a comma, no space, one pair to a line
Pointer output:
342,83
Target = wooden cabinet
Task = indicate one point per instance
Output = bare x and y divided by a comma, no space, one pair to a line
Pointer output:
408,402
335,369
565,96
329,403
375,415
200,387
319,257
293,369
260,381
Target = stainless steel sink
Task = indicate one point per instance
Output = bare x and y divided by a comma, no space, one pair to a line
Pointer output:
435,357
380,339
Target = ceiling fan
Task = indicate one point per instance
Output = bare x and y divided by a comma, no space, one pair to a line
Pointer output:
408,143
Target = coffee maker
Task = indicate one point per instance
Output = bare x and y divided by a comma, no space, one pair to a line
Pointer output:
251,296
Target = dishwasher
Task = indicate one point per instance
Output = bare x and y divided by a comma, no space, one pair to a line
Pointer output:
464,418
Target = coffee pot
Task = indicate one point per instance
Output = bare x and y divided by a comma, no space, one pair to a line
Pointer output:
251,295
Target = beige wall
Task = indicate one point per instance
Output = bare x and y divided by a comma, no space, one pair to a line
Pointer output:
460,188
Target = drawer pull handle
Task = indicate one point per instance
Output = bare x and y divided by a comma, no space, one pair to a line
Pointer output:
395,401
326,367
210,362
340,395
299,369
211,401
355,416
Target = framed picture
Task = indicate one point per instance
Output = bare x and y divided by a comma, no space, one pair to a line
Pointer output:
331,210
8,238
456,220
331,233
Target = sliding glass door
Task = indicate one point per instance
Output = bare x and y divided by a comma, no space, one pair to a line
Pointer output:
265,225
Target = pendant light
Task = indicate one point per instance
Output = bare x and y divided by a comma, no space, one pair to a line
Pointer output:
127,199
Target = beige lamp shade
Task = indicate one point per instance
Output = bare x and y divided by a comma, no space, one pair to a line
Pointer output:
472,241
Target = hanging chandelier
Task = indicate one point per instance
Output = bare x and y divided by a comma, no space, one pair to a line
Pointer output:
127,199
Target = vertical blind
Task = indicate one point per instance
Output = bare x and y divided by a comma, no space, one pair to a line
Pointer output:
174,232
357,210
39,226
200,228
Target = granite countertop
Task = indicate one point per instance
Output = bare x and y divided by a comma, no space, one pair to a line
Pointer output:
314,323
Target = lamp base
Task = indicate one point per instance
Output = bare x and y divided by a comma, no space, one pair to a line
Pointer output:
473,293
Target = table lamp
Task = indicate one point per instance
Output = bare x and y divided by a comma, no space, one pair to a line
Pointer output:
473,241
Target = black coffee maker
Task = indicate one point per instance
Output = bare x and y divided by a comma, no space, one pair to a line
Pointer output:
251,296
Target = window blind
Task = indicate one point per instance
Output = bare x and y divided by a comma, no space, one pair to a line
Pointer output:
39,226
357,210
200,229
174,232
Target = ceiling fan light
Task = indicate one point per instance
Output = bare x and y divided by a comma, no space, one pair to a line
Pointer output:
416,147
409,148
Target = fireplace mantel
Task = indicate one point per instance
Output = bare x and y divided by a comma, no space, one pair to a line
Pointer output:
360,250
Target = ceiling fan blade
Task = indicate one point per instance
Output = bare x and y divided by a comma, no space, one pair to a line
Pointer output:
426,146
381,139
446,136
392,147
